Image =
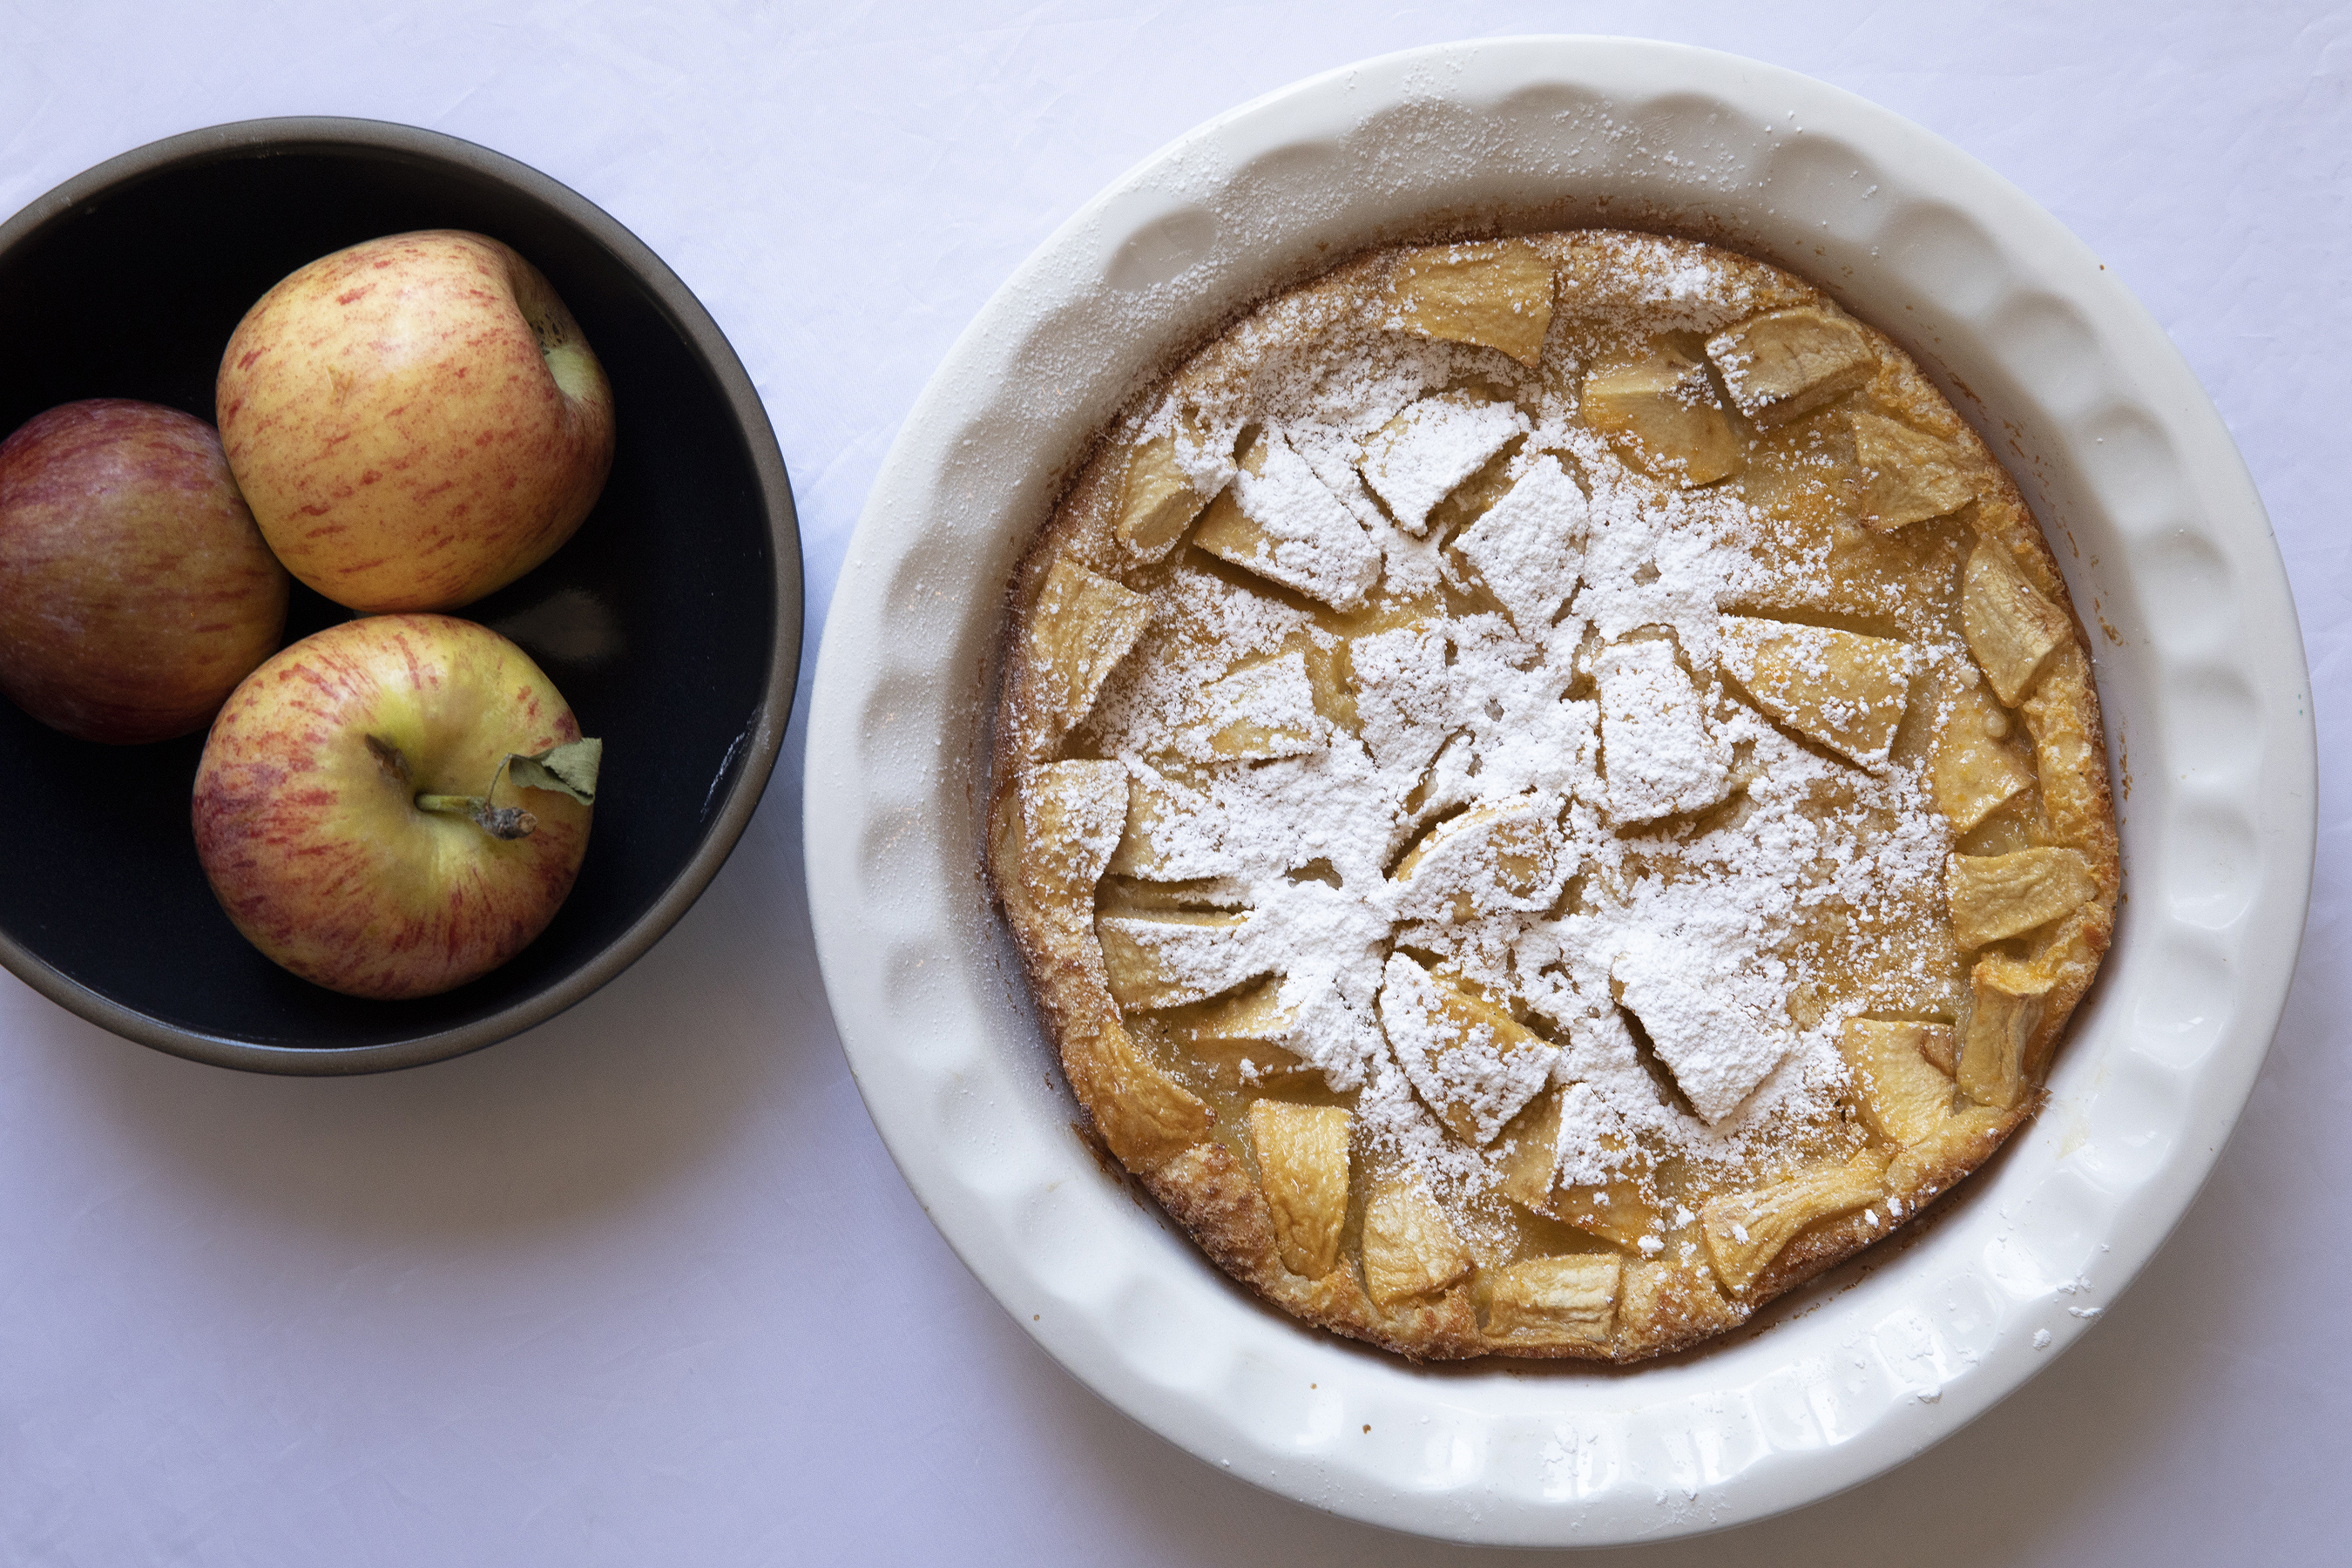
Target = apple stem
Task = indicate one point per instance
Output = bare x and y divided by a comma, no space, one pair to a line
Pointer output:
506,821
498,821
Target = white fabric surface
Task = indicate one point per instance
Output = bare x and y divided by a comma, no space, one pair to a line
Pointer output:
634,1290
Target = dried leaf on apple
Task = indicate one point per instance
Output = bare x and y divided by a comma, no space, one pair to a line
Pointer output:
569,768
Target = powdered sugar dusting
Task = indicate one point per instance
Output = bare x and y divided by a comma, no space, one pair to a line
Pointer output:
1430,745
1663,754
1474,1077
1314,543
1529,548
1435,445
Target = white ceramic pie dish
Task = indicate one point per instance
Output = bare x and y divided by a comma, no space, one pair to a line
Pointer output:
2200,667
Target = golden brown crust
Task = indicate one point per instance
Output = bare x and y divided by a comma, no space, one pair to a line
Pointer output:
1199,1167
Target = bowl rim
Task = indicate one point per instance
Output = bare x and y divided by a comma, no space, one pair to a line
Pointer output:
761,743
1877,1363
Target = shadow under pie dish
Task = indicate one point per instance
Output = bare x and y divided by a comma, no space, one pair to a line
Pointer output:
1548,791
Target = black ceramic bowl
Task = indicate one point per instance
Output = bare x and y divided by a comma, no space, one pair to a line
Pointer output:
671,621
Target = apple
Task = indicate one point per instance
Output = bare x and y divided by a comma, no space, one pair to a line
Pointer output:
368,813
135,591
415,421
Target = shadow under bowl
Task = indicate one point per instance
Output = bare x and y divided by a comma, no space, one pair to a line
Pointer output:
671,621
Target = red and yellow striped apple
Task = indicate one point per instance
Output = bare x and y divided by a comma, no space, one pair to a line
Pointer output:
135,591
358,815
415,421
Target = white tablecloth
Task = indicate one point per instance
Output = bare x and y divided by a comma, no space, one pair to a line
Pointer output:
629,1291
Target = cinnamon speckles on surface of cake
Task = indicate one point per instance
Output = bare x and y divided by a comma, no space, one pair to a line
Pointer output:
1548,792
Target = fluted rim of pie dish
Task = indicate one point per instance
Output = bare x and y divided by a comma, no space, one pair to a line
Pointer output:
2157,526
